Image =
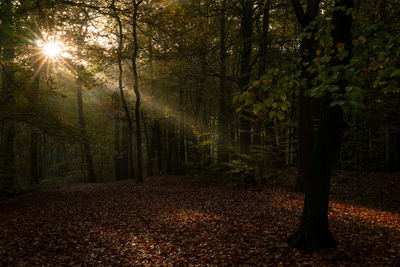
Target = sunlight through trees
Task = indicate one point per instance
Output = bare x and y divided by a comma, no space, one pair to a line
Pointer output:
101,91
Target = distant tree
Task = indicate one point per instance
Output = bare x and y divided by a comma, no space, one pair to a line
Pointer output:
223,138
7,128
246,30
128,117
139,175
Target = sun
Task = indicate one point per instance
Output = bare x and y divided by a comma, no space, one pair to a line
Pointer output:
52,49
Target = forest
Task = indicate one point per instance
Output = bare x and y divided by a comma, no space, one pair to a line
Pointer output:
199,132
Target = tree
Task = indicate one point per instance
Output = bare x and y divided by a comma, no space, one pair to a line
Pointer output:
223,139
306,113
139,175
313,232
128,117
7,129
86,151
246,30
39,60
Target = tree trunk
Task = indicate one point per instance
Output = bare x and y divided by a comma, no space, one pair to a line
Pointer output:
146,136
117,139
156,147
127,158
181,167
126,152
245,69
35,170
223,134
159,147
264,38
306,114
170,144
87,155
155,140
139,177
306,135
7,169
313,232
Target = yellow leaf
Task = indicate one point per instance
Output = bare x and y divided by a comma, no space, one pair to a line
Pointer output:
339,46
318,52
363,38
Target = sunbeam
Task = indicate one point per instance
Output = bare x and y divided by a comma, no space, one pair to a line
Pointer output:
52,49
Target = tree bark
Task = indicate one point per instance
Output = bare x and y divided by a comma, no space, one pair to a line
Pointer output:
306,104
245,69
223,134
156,147
146,137
34,144
126,152
87,155
117,139
7,129
181,162
264,38
139,177
127,158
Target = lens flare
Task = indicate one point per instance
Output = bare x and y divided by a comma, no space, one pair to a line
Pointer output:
52,49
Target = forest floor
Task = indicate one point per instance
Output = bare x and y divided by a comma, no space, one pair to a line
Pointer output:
168,221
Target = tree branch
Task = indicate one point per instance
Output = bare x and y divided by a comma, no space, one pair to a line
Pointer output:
214,74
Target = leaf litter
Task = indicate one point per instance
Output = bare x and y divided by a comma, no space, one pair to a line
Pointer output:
167,222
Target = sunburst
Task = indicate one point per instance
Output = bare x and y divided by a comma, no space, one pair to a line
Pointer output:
52,49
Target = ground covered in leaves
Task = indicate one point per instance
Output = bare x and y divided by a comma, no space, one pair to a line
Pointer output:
167,222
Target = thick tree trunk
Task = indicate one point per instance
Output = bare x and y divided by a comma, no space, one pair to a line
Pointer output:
313,232
306,104
306,135
245,69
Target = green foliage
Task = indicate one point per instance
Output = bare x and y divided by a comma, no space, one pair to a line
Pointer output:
272,103
199,160
238,171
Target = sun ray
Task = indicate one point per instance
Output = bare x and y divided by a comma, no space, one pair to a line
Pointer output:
38,68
